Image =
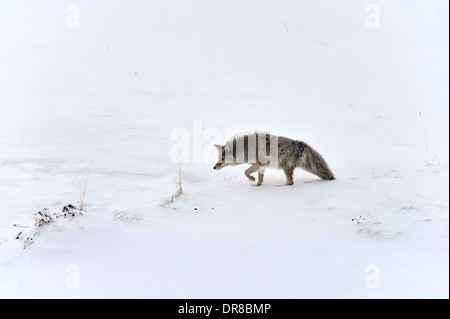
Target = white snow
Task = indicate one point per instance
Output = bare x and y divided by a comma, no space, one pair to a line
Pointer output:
104,96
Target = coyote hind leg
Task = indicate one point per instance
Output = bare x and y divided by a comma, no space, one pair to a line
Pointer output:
289,172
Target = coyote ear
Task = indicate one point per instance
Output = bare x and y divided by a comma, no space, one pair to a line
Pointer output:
219,147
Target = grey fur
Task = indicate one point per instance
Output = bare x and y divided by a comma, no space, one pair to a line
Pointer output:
265,150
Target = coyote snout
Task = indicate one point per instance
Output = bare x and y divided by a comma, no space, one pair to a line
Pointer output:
263,150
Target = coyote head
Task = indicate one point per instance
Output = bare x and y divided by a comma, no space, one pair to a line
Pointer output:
221,158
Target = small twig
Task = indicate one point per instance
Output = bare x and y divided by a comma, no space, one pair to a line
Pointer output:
410,207
179,190
432,161
83,192
20,226
377,114
320,41
285,26
122,216
358,219
179,186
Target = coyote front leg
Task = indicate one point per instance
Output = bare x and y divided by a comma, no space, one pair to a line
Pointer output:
251,170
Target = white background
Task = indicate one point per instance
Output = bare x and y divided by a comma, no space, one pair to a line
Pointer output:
102,89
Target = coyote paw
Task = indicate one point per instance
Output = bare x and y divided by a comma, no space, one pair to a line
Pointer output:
250,177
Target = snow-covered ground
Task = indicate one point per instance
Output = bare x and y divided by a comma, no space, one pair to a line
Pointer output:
95,93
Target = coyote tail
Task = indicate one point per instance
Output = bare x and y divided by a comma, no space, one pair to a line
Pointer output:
314,163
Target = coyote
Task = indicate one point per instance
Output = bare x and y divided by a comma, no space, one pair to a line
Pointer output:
263,150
